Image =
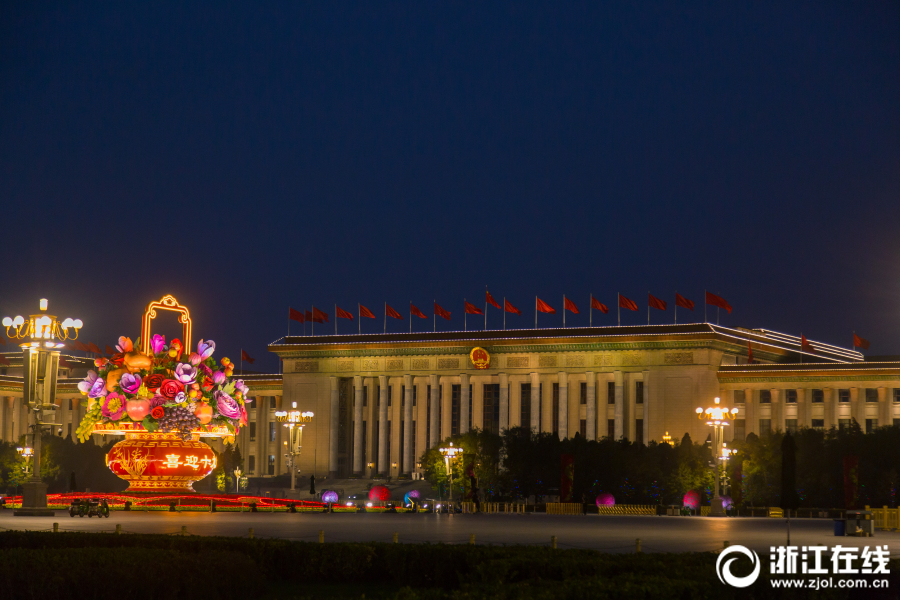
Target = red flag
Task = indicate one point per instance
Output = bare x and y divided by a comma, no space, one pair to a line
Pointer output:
365,312
415,311
319,316
94,348
341,313
4,360
626,303
510,308
441,312
859,342
109,350
570,306
391,312
683,302
490,299
80,346
295,315
805,345
308,316
596,304
246,357
544,307
714,300
656,302
471,309
749,353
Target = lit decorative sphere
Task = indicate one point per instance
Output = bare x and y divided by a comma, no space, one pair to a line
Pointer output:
606,499
726,502
692,500
411,496
379,493
329,497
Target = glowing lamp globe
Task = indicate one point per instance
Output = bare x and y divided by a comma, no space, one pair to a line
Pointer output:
692,500
330,497
379,493
411,496
727,502
606,499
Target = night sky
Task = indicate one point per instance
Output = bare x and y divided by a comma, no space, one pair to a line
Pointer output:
250,158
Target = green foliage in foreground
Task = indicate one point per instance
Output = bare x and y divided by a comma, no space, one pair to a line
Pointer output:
108,566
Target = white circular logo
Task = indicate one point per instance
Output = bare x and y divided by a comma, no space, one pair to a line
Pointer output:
723,567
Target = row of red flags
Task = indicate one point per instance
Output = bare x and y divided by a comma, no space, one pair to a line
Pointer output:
318,316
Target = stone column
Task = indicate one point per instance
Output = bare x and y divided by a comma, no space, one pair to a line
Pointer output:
751,420
478,403
804,410
357,425
515,405
446,402
279,442
504,401
647,407
396,417
407,466
371,418
591,410
830,397
383,466
620,405
333,429
884,408
423,400
262,435
463,403
434,425
574,395
777,410
563,415
535,401
858,408
4,418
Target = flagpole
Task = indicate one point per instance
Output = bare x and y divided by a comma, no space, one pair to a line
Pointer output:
717,310
335,319
410,316
564,311
591,312
359,316
242,359
465,320
485,307
648,308
535,312
705,320
385,316
312,326
504,313
434,317
676,307
289,323
619,309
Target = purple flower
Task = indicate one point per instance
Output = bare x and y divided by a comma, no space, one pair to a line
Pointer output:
206,348
219,378
185,373
113,407
85,386
179,398
130,383
98,390
158,343
228,406
157,401
241,387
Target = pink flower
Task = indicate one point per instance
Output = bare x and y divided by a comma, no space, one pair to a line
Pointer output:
185,373
195,359
157,401
206,348
125,344
219,378
113,406
85,386
130,383
157,343
228,406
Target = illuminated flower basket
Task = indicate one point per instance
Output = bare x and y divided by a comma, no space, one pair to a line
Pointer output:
163,403
727,502
329,497
410,497
379,493
605,499
692,500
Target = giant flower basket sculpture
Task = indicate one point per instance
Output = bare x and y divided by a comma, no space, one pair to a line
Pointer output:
163,402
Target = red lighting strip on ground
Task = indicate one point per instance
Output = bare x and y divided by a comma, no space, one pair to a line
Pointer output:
188,500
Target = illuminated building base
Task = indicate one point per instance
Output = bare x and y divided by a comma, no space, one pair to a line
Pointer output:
160,462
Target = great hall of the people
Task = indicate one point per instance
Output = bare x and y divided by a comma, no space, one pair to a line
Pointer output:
380,400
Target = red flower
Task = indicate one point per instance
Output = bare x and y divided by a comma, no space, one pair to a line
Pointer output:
152,382
170,388
117,359
177,346
158,412
208,385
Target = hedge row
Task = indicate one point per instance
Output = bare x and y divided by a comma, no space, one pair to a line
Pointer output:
98,566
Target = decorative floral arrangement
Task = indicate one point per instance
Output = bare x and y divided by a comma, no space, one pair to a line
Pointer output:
164,391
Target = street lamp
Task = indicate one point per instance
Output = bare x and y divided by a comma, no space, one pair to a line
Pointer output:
716,417
237,480
448,453
26,453
42,337
294,420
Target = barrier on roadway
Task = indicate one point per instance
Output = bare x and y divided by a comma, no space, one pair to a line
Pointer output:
628,509
886,518
494,507
564,508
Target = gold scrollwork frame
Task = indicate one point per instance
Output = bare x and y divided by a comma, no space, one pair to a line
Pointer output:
167,302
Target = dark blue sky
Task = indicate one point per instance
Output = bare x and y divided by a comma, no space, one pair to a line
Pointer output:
248,158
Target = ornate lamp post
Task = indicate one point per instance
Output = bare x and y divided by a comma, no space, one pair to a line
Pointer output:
716,417
26,453
448,453
294,421
237,480
42,336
